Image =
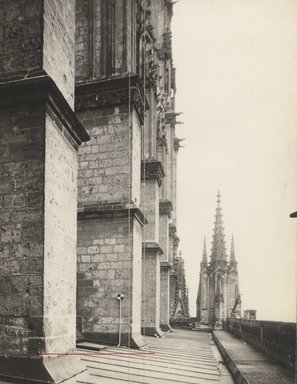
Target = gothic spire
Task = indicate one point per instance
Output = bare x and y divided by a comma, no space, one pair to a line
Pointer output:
218,251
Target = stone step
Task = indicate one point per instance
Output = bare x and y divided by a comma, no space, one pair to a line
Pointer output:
90,346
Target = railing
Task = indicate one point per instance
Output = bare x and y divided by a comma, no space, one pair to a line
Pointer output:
276,339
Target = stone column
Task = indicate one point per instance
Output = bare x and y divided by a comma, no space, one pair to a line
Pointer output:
152,174
165,211
39,139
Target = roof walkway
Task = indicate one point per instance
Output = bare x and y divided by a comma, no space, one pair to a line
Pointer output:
248,365
185,357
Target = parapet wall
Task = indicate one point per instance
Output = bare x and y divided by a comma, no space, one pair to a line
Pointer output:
276,339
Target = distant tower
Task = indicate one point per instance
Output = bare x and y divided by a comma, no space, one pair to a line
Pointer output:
218,293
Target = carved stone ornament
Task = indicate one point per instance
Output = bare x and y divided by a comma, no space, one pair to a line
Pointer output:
161,127
152,169
104,93
165,207
147,68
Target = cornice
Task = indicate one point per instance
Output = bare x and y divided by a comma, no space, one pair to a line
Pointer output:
165,265
110,92
152,169
165,207
43,89
110,210
172,229
152,247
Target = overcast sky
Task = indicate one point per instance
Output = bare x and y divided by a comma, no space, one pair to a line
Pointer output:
236,66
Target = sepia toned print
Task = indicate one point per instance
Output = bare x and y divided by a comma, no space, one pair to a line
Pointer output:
119,122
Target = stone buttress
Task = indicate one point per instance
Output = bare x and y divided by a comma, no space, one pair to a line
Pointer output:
39,139
110,103
124,87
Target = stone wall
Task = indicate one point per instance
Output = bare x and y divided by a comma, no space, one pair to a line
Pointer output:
109,263
59,239
107,160
59,44
37,36
22,213
164,298
105,38
20,38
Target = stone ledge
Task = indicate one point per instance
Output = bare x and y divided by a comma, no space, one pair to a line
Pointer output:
152,247
41,370
165,207
43,89
111,210
111,92
236,373
165,265
152,169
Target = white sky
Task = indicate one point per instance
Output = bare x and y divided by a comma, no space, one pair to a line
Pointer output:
236,66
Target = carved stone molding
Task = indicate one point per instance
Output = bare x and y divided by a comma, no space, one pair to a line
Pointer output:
172,229
111,92
165,265
165,207
176,241
152,247
170,117
43,89
152,169
111,210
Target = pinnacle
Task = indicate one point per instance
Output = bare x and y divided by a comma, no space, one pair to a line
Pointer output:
218,251
204,257
232,252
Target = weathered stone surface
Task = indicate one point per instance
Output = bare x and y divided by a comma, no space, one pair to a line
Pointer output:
96,36
164,298
107,167
109,263
18,280
151,253
20,37
38,36
152,169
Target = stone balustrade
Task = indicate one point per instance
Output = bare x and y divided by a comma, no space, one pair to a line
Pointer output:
276,339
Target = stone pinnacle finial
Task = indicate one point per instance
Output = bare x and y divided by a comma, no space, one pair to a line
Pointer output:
204,257
218,251
232,253
219,197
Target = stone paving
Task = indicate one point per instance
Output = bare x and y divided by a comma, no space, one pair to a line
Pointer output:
249,365
185,357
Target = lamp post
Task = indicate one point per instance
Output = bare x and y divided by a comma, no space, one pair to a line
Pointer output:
120,298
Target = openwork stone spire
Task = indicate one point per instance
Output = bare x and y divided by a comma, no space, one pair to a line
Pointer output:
218,251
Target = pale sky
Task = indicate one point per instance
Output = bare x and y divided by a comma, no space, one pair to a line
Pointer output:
236,66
